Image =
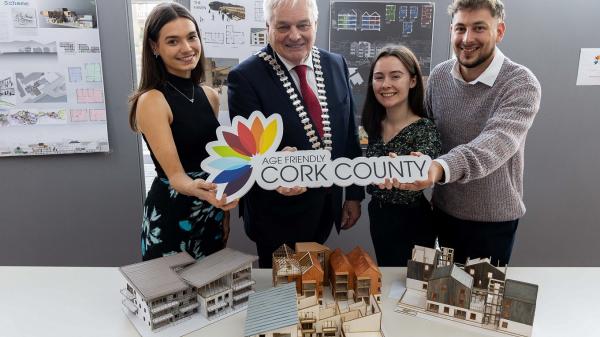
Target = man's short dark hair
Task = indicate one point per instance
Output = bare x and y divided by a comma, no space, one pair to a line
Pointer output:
496,7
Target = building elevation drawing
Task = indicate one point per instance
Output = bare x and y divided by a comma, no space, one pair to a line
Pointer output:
358,31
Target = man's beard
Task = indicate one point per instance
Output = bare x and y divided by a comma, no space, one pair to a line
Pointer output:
477,62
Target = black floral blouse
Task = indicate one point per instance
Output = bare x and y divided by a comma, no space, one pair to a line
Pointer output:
420,136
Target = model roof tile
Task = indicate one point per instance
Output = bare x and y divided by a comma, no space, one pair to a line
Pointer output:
361,261
164,280
215,266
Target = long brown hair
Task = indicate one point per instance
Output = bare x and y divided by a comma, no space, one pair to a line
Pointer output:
373,112
153,73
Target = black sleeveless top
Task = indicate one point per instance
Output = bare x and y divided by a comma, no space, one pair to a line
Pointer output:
193,126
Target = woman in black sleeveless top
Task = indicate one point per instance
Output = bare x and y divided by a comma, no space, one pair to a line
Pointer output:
177,118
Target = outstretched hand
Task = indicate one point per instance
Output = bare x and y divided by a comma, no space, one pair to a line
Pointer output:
435,174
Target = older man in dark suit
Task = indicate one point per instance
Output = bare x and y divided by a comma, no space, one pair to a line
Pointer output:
309,88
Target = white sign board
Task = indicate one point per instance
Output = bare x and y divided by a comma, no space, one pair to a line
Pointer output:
245,153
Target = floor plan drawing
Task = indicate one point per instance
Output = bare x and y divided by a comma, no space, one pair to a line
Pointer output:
93,72
97,115
75,75
89,96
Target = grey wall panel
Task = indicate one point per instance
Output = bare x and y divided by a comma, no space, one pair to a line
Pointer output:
80,210
86,209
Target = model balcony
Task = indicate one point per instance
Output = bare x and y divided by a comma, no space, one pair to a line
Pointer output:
211,291
243,295
341,287
130,306
242,284
127,294
216,306
162,318
307,317
188,307
163,307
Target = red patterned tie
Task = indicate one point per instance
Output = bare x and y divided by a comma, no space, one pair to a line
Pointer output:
311,102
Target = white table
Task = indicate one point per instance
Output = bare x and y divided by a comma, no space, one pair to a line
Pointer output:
74,301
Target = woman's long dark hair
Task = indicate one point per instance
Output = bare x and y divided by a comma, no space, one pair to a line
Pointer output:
373,112
153,69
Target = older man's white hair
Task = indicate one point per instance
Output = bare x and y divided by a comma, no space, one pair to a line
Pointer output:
270,5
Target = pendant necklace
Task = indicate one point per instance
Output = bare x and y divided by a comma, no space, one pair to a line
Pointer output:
182,94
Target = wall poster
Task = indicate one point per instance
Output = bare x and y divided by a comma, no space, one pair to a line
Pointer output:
232,30
51,85
360,29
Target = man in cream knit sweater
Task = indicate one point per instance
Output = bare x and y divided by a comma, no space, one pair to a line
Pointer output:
483,104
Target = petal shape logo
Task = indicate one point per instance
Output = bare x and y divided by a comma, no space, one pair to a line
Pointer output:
229,164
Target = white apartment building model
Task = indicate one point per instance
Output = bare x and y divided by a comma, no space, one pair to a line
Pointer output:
164,291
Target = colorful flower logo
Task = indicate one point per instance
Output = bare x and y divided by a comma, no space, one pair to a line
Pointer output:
229,164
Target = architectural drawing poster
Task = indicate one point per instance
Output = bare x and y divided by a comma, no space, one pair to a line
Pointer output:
51,86
360,29
232,30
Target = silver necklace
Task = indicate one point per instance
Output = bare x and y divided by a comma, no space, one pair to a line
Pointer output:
182,94
294,97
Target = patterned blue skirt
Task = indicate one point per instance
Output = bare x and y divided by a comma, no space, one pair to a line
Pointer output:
175,222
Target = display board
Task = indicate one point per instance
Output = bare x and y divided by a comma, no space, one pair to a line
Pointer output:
360,29
232,30
51,86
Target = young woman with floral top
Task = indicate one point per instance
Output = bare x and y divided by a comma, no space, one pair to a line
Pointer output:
395,121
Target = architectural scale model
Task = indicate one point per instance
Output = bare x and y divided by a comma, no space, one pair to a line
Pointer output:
477,294
302,268
311,266
354,275
167,290
279,312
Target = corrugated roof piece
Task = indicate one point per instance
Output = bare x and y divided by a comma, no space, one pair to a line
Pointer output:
271,309
156,278
215,266
522,291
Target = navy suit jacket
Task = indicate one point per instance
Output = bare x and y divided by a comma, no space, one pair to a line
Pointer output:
253,85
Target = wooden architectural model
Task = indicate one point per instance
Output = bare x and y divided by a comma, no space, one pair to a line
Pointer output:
360,319
322,252
302,268
477,293
355,276
165,290
279,312
367,276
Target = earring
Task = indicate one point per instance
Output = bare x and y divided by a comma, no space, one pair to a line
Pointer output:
156,54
